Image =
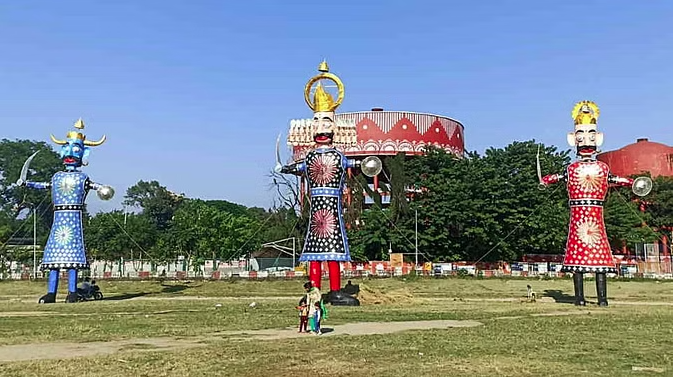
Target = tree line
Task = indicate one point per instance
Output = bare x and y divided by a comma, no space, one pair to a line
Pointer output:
485,207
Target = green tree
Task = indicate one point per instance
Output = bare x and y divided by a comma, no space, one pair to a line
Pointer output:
203,231
157,203
112,235
399,183
13,154
488,207
659,206
530,220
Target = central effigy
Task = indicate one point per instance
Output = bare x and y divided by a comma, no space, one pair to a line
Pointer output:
324,168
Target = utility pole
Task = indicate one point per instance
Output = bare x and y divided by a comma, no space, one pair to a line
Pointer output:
416,252
294,263
34,242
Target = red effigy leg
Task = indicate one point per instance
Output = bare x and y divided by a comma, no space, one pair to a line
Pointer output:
334,275
315,273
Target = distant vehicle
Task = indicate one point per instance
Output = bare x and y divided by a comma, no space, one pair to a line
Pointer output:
94,293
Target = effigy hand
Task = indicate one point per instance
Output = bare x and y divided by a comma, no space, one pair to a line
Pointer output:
105,192
279,168
642,186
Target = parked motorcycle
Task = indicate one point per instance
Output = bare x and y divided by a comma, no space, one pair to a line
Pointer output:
93,293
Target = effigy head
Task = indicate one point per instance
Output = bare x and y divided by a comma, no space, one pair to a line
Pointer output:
586,137
323,104
75,147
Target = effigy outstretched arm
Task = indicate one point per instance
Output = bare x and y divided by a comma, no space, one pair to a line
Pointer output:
36,185
91,185
621,181
293,168
551,179
104,192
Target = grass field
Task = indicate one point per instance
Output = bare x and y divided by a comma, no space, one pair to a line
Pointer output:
176,329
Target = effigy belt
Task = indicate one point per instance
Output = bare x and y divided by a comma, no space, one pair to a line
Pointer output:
325,191
68,207
585,202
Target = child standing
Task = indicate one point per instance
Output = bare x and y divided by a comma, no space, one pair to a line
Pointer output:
317,316
303,315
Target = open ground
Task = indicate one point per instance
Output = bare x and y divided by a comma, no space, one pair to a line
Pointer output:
405,327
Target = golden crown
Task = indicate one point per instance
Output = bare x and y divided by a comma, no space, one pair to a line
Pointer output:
585,112
323,101
78,135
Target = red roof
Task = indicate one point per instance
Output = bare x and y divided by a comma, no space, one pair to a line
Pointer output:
641,156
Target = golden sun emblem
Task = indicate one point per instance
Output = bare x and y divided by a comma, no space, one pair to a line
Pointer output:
589,177
67,185
589,232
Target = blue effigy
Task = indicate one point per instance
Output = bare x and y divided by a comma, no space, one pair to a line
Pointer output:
65,247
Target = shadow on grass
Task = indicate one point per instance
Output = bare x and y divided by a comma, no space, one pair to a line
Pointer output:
175,288
125,296
326,330
167,289
559,296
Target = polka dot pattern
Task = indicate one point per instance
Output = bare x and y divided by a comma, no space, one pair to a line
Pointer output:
326,237
65,246
587,247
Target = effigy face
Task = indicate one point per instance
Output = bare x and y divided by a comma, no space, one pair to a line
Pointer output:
586,138
73,152
323,124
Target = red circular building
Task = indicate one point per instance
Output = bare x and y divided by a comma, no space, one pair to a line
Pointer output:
641,156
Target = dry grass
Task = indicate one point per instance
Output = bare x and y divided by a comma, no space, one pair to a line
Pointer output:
517,339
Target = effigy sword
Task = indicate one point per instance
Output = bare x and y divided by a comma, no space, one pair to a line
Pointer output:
279,166
24,169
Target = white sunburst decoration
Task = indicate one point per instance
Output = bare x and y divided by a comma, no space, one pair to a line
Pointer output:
63,235
67,185
589,232
589,177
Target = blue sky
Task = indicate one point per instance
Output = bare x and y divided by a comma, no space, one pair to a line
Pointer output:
194,93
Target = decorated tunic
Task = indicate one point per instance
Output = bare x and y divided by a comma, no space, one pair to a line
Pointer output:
587,247
326,238
65,246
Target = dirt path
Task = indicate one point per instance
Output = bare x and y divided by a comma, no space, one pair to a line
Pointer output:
359,328
42,351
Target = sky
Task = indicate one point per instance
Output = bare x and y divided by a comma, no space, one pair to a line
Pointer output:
194,93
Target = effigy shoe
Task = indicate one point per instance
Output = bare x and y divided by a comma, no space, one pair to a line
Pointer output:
49,298
72,297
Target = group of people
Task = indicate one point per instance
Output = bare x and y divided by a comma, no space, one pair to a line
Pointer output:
311,310
87,287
